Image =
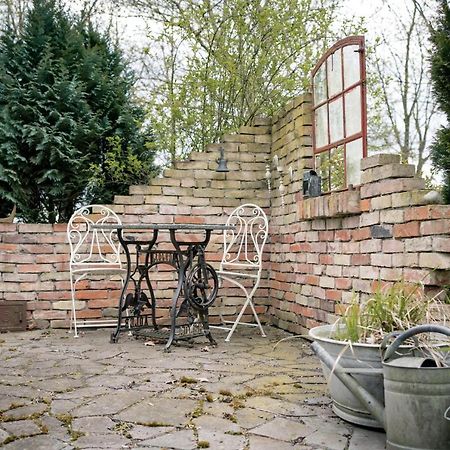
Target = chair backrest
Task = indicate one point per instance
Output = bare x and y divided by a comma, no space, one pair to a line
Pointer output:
93,248
243,246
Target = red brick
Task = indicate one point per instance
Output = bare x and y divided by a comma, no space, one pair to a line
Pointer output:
313,280
360,259
326,235
48,315
38,249
361,234
103,303
59,227
369,272
54,295
8,227
342,235
409,229
89,314
334,295
343,283
8,248
35,228
364,205
393,246
391,274
33,305
35,268
440,226
418,213
326,259
440,212
16,258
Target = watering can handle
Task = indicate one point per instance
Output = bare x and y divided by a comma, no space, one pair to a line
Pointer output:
412,332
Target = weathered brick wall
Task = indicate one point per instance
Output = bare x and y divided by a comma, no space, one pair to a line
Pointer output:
34,258
321,251
328,249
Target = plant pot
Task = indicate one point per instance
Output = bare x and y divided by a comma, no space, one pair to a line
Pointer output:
363,357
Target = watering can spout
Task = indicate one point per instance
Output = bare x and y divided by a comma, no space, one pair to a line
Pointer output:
365,397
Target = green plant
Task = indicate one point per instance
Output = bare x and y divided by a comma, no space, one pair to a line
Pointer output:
393,308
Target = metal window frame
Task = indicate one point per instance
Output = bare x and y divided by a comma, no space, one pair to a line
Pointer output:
339,46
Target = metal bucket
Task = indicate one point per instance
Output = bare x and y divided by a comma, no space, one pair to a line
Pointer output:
417,399
363,362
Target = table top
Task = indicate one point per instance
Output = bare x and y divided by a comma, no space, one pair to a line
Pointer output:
163,226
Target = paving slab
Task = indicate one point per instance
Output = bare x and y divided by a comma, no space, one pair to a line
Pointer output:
284,430
21,428
253,393
180,440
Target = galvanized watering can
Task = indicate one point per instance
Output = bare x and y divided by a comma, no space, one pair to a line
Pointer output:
416,391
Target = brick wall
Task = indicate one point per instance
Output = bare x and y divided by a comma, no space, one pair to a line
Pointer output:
34,258
321,251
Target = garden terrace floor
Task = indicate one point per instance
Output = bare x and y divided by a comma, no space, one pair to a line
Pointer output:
58,392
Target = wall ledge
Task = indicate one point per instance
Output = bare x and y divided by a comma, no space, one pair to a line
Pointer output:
335,204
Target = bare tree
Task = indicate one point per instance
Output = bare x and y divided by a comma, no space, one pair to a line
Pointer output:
12,13
405,85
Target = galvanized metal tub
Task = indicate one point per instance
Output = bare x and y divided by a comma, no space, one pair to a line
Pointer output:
417,401
363,361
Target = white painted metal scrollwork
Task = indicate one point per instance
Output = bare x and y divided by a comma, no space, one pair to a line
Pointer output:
92,251
242,257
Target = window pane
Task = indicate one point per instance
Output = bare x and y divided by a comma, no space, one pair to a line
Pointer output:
353,111
334,71
320,86
337,171
353,155
321,126
336,120
323,169
351,65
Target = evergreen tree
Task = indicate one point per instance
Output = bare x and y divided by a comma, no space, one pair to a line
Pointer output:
440,74
67,118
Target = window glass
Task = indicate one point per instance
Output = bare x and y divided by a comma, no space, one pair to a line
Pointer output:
334,73
340,126
321,126
353,111
322,165
337,168
320,85
353,155
352,72
336,120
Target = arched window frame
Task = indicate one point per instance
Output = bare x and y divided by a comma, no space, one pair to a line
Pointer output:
326,101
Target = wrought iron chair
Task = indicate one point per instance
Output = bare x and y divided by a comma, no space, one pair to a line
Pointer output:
242,259
92,251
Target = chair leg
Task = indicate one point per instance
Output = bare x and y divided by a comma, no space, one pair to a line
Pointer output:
236,322
257,319
73,318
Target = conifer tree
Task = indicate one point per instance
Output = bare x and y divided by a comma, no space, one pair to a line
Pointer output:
69,129
440,74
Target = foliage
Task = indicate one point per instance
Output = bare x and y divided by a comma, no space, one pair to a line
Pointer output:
65,92
223,63
121,168
440,75
394,308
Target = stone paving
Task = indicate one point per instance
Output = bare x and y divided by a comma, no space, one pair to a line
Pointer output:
58,392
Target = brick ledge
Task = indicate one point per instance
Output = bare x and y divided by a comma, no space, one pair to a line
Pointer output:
335,204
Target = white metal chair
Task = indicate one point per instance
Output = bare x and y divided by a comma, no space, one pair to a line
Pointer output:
92,251
242,259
